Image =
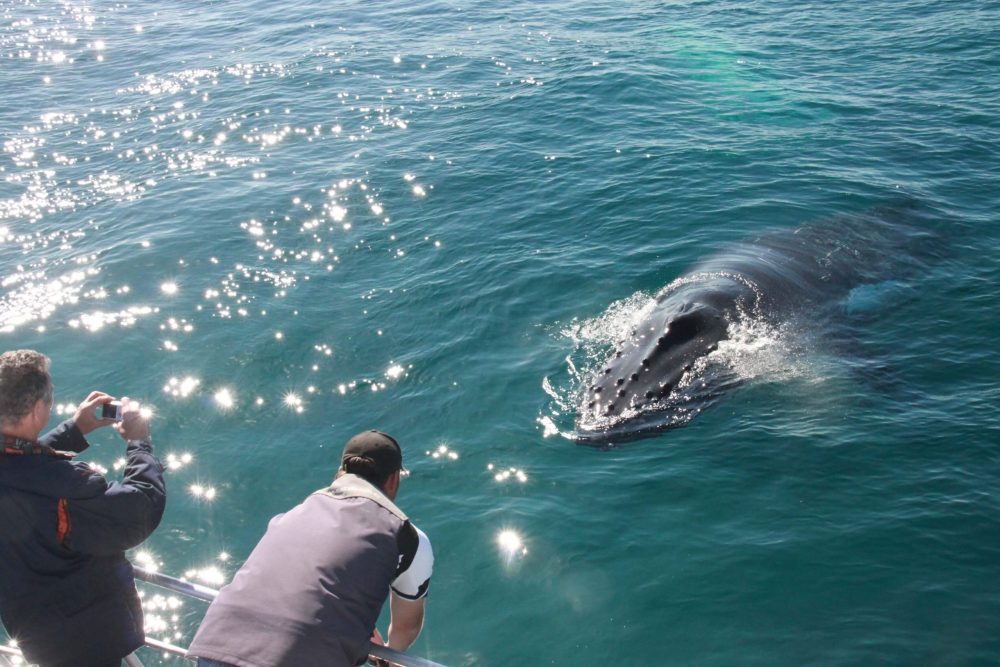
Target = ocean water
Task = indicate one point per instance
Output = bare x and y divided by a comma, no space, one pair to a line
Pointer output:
277,224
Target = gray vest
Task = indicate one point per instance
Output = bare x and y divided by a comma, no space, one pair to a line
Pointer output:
312,589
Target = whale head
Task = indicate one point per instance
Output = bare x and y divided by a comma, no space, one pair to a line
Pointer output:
645,370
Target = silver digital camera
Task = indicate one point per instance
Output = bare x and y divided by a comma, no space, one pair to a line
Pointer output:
112,410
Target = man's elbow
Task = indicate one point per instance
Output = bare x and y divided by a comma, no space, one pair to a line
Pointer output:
410,627
406,623
149,513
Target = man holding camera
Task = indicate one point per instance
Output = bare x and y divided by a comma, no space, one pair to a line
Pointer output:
311,591
67,594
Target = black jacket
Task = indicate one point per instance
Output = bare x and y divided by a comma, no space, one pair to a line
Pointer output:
67,593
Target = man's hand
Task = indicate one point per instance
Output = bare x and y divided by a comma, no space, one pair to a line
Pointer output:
134,425
86,414
378,641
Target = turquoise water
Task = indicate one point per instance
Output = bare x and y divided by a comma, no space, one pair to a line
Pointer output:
281,223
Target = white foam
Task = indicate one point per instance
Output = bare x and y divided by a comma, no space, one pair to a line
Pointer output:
755,351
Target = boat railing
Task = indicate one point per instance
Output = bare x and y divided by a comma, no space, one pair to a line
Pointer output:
206,594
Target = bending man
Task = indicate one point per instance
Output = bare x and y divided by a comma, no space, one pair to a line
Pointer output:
312,589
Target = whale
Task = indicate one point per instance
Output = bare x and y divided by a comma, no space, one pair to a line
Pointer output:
659,375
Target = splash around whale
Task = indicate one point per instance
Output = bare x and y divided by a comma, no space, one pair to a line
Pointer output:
663,373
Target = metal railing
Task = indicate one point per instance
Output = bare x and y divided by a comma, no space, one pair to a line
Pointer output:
207,594
129,660
7,651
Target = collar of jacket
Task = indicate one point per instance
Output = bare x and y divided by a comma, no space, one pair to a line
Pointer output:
13,446
352,486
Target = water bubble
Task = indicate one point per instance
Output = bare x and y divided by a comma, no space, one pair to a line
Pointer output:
443,452
181,387
294,402
146,560
508,473
511,545
225,399
200,491
177,461
211,575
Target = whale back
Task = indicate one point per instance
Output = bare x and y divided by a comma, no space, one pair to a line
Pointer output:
771,277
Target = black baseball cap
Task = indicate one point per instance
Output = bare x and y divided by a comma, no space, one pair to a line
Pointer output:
380,448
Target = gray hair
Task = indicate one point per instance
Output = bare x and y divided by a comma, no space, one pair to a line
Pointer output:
24,380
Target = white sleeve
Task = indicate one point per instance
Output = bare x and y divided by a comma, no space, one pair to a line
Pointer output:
412,583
